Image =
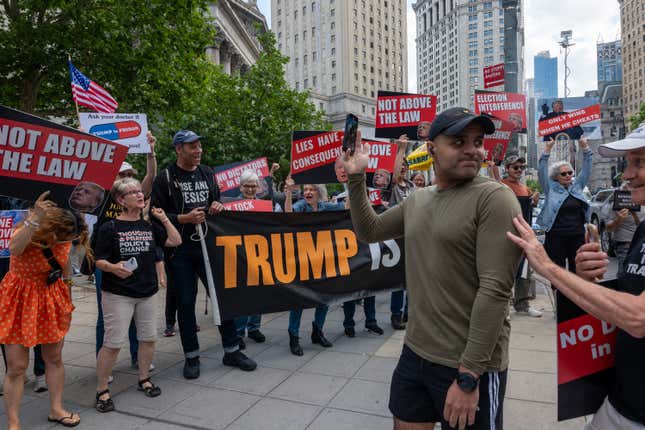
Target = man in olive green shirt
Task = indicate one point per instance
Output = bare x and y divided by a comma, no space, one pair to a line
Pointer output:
459,274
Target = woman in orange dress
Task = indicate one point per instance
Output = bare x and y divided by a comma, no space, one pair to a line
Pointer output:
36,305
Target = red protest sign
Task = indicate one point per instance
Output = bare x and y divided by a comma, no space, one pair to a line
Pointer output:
38,155
494,75
313,155
507,106
568,120
228,179
401,113
496,144
249,205
376,198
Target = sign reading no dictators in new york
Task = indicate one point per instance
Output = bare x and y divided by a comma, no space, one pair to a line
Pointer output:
401,113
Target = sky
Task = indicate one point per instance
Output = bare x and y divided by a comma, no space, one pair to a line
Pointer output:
590,21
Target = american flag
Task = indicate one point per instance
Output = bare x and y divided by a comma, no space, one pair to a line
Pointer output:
89,94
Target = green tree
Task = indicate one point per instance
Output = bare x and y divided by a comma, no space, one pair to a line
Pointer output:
638,117
248,116
145,53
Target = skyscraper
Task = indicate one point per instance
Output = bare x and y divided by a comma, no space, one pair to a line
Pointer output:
545,75
343,52
632,20
456,39
610,62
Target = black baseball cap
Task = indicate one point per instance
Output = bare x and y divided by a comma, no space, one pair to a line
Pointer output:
452,121
513,159
185,136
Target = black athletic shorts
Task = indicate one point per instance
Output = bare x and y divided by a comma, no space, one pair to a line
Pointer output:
419,388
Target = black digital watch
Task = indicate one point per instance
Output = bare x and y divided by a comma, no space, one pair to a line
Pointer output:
467,382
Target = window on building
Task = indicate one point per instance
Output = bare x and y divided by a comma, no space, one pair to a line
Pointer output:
333,64
488,15
488,24
304,59
333,76
472,17
472,53
333,51
488,33
306,84
472,26
488,5
332,12
472,35
488,51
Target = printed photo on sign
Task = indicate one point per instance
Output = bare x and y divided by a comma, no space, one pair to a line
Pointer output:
553,107
400,113
228,176
585,347
8,221
273,262
380,164
37,155
128,129
496,144
509,107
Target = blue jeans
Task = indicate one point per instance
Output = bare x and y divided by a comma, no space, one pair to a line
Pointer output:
369,306
396,303
296,316
184,265
100,326
250,323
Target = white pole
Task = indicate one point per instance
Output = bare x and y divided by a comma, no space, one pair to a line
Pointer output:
209,276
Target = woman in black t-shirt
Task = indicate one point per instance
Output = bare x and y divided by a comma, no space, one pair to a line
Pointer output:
125,252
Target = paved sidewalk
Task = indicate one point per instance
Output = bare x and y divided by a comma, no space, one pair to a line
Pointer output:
343,387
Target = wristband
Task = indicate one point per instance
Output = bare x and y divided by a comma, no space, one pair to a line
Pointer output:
34,224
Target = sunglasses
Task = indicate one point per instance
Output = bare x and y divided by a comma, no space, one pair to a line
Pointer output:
522,167
567,173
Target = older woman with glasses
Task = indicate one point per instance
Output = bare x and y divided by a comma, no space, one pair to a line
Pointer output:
565,209
125,253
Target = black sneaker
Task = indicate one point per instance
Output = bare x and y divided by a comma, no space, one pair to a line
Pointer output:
397,322
374,328
257,336
242,344
191,368
239,360
350,332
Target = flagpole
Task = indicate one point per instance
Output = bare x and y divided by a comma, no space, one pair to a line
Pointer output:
209,275
78,115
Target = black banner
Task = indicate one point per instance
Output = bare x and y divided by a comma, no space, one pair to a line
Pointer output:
273,262
37,155
585,359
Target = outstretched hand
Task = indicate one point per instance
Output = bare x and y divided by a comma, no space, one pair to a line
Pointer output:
533,249
357,162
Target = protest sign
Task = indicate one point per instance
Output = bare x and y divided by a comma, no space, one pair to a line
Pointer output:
494,75
586,347
273,262
419,159
129,129
623,200
228,176
38,155
567,120
506,106
380,164
313,157
249,205
401,113
496,144
8,221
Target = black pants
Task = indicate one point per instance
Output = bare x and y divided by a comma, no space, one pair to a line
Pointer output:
562,248
184,266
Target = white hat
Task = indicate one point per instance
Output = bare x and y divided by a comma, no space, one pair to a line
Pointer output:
634,140
125,166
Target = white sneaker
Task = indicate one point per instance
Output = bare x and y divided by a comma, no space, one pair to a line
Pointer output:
151,368
40,386
110,379
530,312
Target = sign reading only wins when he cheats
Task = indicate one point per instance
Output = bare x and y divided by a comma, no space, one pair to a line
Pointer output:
8,221
37,155
129,129
400,113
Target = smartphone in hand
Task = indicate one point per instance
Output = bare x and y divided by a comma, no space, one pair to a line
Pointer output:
349,139
131,264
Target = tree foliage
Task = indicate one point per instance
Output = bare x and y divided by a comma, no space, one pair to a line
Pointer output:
143,53
638,118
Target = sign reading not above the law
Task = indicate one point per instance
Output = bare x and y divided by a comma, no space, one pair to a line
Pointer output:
129,129
400,113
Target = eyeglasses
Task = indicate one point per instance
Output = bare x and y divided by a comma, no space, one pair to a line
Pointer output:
522,167
249,186
567,173
126,174
132,192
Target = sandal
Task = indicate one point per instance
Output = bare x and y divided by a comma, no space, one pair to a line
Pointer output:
66,421
151,390
106,405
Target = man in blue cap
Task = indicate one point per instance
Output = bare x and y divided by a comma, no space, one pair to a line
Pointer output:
186,190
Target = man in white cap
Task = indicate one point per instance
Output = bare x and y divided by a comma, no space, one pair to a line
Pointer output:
624,408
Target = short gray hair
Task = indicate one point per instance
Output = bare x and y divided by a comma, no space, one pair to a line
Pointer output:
120,187
249,176
554,169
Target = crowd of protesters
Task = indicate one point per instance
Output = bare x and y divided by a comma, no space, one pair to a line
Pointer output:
453,367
